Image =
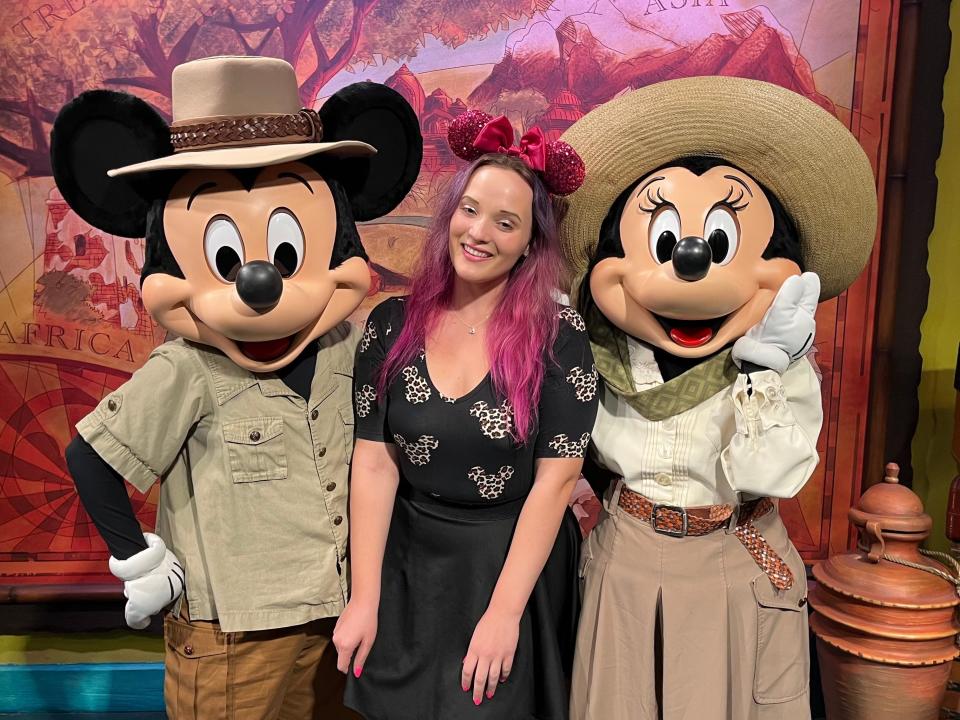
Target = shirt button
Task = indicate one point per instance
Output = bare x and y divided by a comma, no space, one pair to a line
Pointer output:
314,414
322,450
112,405
331,487
663,479
188,649
338,519
255,435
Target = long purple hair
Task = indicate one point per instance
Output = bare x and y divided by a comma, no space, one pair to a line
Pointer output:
524,322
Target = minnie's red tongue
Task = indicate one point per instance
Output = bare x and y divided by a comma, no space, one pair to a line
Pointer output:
691,337
265,350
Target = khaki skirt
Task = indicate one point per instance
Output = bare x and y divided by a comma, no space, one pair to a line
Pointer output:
683,628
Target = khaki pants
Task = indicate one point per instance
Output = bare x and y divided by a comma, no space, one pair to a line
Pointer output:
284,674
684,628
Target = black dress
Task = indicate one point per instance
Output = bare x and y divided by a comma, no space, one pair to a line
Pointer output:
463,482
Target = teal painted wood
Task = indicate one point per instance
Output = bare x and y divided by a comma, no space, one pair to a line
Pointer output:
84,688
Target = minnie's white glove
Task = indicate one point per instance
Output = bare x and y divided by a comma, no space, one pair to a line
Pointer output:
787,329
152,579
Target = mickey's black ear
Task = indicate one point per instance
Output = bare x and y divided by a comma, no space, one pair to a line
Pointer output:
98,131
377,115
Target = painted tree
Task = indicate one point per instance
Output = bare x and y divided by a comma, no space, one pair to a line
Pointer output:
134,45
520,106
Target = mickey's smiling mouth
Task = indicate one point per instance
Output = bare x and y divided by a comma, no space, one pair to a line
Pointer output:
265,350
690,333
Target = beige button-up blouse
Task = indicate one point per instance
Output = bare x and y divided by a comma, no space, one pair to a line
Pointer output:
762,444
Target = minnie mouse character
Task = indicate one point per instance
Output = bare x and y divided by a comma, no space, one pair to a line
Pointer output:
248,205
705,199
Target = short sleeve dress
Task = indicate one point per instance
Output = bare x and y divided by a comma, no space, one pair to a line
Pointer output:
463,481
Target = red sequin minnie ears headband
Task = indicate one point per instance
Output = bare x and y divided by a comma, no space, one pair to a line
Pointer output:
475,133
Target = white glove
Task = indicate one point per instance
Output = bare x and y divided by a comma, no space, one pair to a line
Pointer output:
787,329
152,579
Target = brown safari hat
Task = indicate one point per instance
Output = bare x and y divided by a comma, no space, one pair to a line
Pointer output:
240,112
791,145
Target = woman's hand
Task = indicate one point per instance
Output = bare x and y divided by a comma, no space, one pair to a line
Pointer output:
490,655
355,632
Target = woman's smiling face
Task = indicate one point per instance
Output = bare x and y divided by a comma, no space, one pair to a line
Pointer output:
492,225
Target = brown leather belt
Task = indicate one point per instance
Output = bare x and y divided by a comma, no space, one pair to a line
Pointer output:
677,521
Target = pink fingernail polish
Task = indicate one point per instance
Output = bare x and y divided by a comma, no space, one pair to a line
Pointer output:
357,671
489,695
477,701
465,687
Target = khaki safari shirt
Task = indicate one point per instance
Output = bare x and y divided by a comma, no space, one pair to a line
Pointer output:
253,478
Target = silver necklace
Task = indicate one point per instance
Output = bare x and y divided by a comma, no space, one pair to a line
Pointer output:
471,329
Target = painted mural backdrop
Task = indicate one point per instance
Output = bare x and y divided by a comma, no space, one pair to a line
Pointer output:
72,325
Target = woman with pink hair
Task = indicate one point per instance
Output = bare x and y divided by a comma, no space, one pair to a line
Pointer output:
474,398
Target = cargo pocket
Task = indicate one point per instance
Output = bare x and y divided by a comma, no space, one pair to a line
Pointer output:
256,449
347,424
195,664
782,671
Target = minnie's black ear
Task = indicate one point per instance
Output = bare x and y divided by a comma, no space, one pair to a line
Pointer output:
98,131
377,115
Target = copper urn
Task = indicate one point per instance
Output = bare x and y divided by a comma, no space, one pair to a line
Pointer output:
885,616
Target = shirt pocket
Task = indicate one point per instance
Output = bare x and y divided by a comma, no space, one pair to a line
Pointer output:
782,670
345,411
256,449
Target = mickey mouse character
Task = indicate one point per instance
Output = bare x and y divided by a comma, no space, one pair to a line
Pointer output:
248,205
705,200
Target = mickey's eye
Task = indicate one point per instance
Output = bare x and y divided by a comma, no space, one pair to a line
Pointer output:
664,231
223,247
285,242
722,234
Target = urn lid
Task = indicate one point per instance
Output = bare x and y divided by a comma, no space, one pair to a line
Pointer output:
894,507
889,570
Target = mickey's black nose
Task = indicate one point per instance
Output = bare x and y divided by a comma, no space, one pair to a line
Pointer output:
691,259
260,285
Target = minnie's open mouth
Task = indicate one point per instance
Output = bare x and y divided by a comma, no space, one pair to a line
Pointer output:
690,333
265,350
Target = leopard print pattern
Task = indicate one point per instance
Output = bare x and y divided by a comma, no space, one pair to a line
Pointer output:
495,423
565,447
364,397
418,452
584,383
573,317
417,390
370,333
490,486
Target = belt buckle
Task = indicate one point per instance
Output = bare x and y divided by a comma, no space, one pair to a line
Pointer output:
667,531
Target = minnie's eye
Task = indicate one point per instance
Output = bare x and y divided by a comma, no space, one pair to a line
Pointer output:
664,231
223,248
285,242
722,234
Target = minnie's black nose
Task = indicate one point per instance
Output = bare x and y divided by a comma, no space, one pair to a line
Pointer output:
260,285
691,259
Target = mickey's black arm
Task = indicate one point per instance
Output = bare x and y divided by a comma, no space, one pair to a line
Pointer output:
105,499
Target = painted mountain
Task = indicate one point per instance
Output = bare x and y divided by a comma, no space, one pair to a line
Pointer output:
578,55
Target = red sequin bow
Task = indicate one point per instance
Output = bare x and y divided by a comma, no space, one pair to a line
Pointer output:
497,136
475,133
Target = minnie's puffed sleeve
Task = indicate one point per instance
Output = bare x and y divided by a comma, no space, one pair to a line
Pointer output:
569,397
774,449
371,412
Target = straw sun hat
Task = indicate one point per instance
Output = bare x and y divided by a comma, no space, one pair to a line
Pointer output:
795,148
